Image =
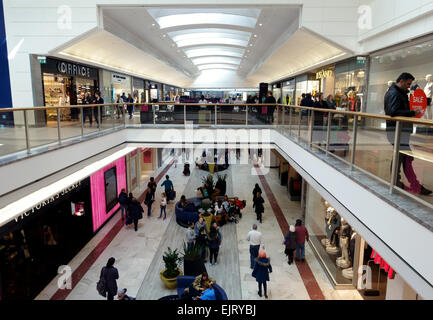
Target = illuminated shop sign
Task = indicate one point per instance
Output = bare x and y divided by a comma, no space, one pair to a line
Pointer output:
46,202
73,69
324,74
383,264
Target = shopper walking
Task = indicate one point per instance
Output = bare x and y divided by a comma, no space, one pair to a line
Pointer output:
163,206
190,236
261,272
200,224
301,236
214,242
87,112
110,274
256,240
152,186
148,201
168,186
98,112
255,190
270,109
123,201
290,243
397,105
258,205
201,241
136,212
130,106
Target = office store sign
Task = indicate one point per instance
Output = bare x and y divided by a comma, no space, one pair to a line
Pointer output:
48,201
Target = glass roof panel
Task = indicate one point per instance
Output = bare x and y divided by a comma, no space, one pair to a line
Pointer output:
214,59
217,66
214,51
206,18
205,41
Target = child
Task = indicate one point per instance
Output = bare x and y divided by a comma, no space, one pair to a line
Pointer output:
163,205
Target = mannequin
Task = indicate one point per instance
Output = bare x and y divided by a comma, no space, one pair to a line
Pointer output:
428,90
348,273
344,261
332,230
330,211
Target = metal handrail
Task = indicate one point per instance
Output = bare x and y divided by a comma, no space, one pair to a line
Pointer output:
294,123
349,113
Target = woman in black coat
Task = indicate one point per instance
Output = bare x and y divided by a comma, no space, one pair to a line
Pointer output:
135,212
262,268
256,189
258,205
290,243
110,274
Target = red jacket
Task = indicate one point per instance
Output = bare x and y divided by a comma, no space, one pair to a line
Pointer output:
301,234
240,204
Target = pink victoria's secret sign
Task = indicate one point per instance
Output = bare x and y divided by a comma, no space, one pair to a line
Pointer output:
98,188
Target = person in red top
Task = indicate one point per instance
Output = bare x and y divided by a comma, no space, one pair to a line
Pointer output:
301,236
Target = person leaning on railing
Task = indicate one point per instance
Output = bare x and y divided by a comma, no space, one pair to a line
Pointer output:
397,105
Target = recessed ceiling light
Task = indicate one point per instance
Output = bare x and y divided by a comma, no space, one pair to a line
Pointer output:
255,36
260,24
164,35
153,24
251,45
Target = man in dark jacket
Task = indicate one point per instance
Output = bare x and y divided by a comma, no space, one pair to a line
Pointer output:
136,212
123,201
271,109
397,105
306,102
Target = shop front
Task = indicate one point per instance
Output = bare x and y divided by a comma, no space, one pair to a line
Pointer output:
34,245
65,83
115,84
106,185
306,83
351,84
415,58
288,91
347,259
138,91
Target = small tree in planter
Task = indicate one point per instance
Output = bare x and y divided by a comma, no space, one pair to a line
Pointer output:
221,184
192,263
171,272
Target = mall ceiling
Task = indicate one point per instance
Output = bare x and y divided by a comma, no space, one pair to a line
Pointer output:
180,45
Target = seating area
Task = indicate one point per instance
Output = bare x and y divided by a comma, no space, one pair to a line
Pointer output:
184,282
189,214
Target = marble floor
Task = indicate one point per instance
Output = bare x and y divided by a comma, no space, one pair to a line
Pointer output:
138,254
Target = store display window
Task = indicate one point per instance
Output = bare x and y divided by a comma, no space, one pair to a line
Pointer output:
350,84
64,83
49,235
288,91
306,84
138,92
385,67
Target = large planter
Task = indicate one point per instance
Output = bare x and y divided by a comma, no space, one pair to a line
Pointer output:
193,267
170,283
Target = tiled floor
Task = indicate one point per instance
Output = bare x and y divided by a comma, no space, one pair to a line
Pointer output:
136,252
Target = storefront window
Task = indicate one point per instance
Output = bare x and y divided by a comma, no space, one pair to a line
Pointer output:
385,67
306,84
331,237
350,84
115,84
138,92
289,92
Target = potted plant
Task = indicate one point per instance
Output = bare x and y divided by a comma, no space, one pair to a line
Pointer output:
171,272
208,179
192,263
221,184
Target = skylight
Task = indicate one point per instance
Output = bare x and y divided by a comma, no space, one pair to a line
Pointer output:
206,41
204,35
217,66
176,20
214,51
216,59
